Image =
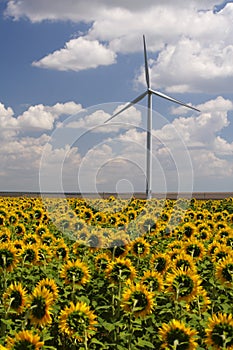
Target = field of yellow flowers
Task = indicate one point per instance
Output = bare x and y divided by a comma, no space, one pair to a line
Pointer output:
116,274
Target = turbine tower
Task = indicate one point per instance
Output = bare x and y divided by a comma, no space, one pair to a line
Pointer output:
149,92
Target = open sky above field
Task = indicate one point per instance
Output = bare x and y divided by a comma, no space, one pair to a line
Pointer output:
66,66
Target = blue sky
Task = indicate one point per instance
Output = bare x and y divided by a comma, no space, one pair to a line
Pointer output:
66,66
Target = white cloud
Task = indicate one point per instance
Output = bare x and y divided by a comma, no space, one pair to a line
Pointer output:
78,54
194,137
35,117
194,54
95,121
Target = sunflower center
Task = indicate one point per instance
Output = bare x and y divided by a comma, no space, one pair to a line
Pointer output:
61,252
227,272
222,335
24,345
194,250
188,231
38,307
183,284
6,258
139,300
17,299
118,246
29,255
151,282
75,273
94,241
182,263
139,248
149,225
160,264
120,270
77,321
178,336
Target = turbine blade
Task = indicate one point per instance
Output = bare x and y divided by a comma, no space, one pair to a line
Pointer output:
172,99
137,99
146,63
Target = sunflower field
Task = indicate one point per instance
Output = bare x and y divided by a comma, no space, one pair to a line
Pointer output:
78,273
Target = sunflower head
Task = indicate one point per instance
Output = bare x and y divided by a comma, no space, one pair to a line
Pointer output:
224,271
159,262
40,302
50,285
25,340
15,297
219,332
138,300
76,272
176,335
153,281
120,270
77,321
183,284
8,256
140,247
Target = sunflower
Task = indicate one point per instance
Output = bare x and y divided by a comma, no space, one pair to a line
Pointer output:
101,261
148,224
8,256
19,229
98,219
219,332
30,239
5,235
120,269
41,230
95,239
40,302
50,285
61,251
118,243
200,303
159,262
195,248
1,346
44,254
75,272
2,220
224,271
24,340
15,297
183,284
48,239
189,229
153,281
77,321
29,254
176,335
140,247
138,300
18,244
184,261
224,232
221,252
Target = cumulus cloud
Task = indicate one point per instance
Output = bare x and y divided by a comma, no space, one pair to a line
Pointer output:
189,55
39,117
185,145
78,54
96,121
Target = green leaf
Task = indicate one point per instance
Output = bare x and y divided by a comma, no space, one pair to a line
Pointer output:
143,343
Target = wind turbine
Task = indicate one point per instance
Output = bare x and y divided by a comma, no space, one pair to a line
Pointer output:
149,92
